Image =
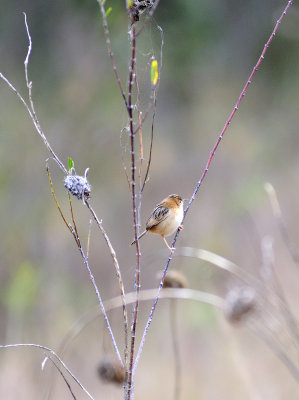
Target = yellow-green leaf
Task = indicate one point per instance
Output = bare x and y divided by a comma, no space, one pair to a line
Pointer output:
154,72
108,11
71,163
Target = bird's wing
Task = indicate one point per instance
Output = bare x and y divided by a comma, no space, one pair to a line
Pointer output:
159,214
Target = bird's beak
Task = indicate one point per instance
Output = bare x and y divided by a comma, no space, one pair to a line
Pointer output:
185,199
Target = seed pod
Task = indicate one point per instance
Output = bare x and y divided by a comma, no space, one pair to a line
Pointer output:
175,279
137,7
239,302
111,371
78,185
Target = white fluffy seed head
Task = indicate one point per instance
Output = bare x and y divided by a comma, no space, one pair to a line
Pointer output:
78,186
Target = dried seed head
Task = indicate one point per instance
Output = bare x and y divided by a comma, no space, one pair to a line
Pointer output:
111,371
239,302
175,279
138,7
78,185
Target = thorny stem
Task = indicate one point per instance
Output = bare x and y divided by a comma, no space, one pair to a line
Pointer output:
141,158
134,210
141,155
226,125
123,150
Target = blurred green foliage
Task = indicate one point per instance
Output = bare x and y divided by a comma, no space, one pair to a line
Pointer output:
21,292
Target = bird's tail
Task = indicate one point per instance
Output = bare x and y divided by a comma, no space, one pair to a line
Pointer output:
139,237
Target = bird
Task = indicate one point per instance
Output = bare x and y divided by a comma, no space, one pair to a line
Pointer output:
166,218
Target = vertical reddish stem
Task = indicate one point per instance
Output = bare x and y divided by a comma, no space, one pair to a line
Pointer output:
226,125
134,210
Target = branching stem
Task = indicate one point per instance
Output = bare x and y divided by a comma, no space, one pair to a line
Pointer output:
226,125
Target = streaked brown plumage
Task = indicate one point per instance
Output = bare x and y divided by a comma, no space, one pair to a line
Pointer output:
166,218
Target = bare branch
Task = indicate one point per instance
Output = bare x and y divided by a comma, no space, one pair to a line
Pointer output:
226,125
144,295
31,110
281,225
108,43
7,346
155,94
118,274
62,375
74,232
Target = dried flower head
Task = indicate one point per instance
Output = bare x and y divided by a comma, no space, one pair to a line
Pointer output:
111,371
175,279
78,185
137,7
239,302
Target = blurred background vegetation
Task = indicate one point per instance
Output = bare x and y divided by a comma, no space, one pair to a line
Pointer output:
210,49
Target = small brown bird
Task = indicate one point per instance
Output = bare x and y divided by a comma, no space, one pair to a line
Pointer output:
166,218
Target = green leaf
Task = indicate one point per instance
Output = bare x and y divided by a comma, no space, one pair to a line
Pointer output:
108,11
71,164
154,72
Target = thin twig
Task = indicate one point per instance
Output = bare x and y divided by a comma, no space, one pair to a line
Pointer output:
215,259
101,304
122,157
31,109
155,95
55,355
86,263
88,239
119,277
226,125
37,126
108,43
74,223
56,201
277,350
271,278
144,295
280,222
63,376
148,17
176,348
